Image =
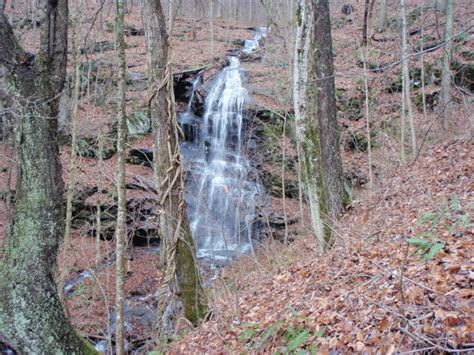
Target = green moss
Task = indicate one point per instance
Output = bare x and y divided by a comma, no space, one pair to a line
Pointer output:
197,314
464,75
432,77
357,141
299,15
314,174
430,99
192,294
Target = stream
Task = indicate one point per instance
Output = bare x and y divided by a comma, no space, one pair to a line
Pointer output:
221,192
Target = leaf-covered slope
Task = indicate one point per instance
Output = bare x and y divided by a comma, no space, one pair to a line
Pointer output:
355,298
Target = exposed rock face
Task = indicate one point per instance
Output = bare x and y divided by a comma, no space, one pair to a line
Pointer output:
142,156
141,213
347,9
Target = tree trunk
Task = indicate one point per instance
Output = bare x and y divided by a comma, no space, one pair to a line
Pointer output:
446,74
31,317
365,25
173,224
382,15
364,52
211,22
194,25
406,79
326,108
120,232
308,144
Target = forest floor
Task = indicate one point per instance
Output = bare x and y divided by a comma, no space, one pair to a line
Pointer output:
373,291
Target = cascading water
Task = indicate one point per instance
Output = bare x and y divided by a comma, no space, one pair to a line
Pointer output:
252,44
220,196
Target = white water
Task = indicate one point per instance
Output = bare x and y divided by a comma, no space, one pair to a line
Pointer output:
252,44
221,198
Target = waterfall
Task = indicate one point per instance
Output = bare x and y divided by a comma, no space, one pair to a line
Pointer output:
252,44
221,198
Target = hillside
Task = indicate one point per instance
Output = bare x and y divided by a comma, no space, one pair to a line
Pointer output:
400,276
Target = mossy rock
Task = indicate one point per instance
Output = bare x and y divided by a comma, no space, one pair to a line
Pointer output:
97,70
467,54
273,185
238,42
431,101
357,141
351,107
374,54
100,46
138,124
340,22
89,147
432,77
464,75
394,23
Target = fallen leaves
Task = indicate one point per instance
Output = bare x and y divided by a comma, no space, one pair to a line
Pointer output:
353,292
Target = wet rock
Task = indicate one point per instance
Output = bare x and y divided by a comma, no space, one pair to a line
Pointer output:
253,56
144,315
183,83
277,221
273,185
238,42
190,131
141,221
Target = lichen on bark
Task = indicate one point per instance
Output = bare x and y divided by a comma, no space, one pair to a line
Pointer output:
31,317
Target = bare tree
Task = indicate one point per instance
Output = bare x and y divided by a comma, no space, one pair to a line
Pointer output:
382,15
173,222
446,72
407,107
120,232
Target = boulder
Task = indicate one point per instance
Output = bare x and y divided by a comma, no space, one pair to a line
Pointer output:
141,156
347,9
357,141
138,124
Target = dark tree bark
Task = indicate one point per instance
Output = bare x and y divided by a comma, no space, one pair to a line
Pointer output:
326,108
31,317
365,28
173,224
